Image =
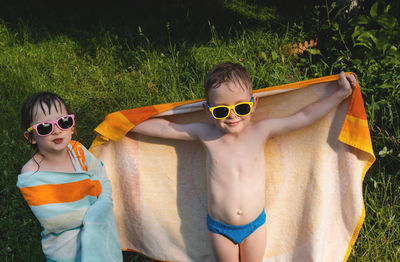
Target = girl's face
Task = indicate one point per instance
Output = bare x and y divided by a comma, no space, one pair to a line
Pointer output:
59,139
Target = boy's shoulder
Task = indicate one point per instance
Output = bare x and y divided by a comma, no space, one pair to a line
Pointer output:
205,130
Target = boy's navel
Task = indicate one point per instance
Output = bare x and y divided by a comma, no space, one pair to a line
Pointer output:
239,212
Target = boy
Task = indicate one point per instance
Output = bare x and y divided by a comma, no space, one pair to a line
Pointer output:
234,148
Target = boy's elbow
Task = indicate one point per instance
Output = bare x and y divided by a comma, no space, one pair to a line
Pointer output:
306,119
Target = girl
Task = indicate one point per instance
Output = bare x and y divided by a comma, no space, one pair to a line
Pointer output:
65,186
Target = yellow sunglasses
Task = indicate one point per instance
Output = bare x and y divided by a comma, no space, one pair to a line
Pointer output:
240,109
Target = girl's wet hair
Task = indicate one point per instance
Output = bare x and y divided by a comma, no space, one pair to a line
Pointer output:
49,99
227,72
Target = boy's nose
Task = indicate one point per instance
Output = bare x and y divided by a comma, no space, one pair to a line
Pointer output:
231,114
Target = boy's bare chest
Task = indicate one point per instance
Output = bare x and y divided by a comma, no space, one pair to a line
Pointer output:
241,146
235,158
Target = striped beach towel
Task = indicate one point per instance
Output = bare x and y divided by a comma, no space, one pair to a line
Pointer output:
75,210
314,199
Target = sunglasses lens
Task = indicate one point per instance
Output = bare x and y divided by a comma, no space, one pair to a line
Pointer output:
65,122
44,129
242,109
221,112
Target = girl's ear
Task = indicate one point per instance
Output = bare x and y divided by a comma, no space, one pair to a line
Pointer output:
26,135
73,131
29,138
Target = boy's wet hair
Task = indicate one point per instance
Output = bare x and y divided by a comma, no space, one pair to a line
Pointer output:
49,99
227,72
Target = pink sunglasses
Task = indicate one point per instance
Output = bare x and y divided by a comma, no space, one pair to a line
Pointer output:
46,128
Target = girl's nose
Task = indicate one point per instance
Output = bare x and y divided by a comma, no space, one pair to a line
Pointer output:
56,129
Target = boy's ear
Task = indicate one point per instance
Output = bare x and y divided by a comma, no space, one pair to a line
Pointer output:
205,106
206,109
255,103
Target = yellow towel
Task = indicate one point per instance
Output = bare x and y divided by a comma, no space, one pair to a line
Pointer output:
314,177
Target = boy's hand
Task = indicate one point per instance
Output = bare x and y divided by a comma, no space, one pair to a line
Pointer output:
312,112
346,83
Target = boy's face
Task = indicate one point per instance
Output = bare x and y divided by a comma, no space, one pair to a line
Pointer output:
229,94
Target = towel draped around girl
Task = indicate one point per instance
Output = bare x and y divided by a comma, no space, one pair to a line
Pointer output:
75,209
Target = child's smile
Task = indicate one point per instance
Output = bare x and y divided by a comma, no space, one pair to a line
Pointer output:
58,140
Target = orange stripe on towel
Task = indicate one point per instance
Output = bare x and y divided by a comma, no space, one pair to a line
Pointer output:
356,107
61,193
138,115
80,154
115,125
357,126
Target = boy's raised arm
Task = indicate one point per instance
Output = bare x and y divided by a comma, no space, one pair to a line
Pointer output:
313,112
159,127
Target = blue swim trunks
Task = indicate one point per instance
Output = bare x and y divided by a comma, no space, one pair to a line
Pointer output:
235,233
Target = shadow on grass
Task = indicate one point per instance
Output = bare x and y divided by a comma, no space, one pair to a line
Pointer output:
183,21
160,21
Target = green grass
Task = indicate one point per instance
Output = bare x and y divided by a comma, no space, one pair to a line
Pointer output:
128,60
